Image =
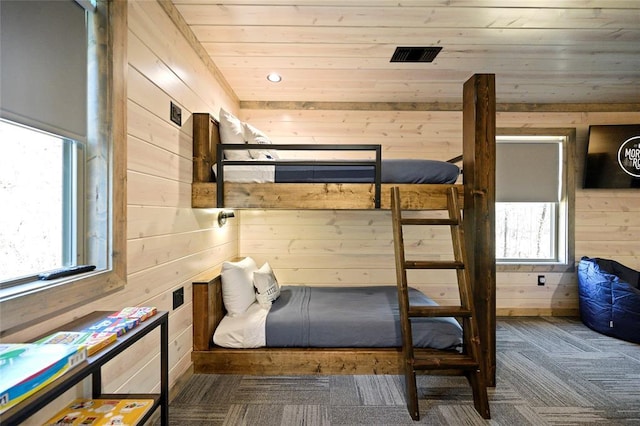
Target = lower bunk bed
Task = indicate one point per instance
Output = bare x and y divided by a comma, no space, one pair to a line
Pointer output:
308,344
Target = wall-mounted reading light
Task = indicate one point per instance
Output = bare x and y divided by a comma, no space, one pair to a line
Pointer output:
224,215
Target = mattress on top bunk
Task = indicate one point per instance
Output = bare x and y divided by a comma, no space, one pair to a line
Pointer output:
392,171
334,317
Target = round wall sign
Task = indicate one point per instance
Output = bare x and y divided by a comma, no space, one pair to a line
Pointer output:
629,156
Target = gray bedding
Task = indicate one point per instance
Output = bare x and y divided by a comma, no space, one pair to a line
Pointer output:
419,171
334,317
392,171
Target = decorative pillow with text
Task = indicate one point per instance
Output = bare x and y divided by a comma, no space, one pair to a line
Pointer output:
256,136
267,285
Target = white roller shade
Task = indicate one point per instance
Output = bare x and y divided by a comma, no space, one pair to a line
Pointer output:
43,65
528,171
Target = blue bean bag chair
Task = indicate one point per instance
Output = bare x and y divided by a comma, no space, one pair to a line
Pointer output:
610,298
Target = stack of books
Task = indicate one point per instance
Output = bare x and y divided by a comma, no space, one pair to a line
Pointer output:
103,332
118,326
25,368
92,341
100,412
140,313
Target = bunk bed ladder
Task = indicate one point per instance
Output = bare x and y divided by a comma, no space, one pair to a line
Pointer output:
469,361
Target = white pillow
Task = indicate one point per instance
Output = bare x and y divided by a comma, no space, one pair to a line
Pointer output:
238,292
232,132
256,136
267,285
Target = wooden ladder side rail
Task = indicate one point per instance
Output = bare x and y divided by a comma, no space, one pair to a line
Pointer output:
403,302
468,363
472,345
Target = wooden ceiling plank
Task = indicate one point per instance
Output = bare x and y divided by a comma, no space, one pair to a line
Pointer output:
410,36
582,4
420,17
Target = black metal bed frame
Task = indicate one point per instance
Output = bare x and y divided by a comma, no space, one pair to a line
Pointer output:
221,162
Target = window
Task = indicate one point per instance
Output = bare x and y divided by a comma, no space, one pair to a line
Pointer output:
44,109
41,196
526,231
531,220
67,136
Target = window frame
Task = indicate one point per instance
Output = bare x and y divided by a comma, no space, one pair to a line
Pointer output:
74,195
565,225
26,304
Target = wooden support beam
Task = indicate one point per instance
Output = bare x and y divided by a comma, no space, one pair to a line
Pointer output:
205,130
479,163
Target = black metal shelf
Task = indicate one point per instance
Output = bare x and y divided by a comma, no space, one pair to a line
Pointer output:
93,367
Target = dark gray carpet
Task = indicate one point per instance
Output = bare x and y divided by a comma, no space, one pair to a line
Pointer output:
550,371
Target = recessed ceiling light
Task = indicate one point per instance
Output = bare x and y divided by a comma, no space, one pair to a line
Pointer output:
274,77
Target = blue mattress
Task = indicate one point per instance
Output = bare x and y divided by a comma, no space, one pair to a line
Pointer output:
609,295
334,317
392,171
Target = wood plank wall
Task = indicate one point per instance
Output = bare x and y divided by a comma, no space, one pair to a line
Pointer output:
355,247
168,242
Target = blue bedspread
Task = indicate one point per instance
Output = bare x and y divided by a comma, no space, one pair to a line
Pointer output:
334,317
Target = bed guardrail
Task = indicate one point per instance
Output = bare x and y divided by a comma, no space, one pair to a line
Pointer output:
221,161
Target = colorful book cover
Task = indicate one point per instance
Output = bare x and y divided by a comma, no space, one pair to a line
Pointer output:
113,325
9,350
92,341
25,368
139,312
102,412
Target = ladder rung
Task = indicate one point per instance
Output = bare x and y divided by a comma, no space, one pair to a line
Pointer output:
439,311
429,221
433,264
444,361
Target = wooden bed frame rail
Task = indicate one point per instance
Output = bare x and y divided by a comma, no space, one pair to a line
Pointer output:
376,163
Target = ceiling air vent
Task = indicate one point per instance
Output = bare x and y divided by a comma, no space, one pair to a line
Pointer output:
415,54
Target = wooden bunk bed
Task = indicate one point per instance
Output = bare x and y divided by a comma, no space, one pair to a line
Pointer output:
478,198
